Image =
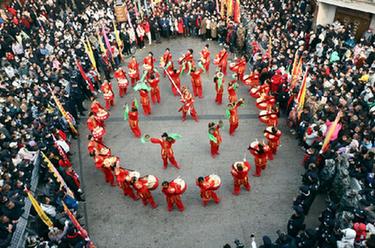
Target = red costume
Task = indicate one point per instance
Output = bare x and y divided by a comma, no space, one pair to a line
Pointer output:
215,137
260,153
145,101
273,137
196,82
148,63
188,101
109,97
252,80
270,116
238,67
153,81
122,81
187,61
166,60
232,95
205,58
240,171
166,150
123,181
104,163
221,60
175,75
233,116
97,148
256,92
173,192
276,81
133,67
133,121
207,186
265,102
144,193
219,87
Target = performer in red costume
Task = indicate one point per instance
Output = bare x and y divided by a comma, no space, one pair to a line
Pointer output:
270,116
95,127
272,135
123,180
187,61
207,186
96,148
276,81
240,171
109,96
239,67
205,58
175,75
133,67
122,81
196,81
105,164
140,185
256,92
232,115
215,137
188,101
219,87
221,60
132,117
148,63
253,79
173,191
153,81
265,101
145,101
260,153
232,88
166,60
165,143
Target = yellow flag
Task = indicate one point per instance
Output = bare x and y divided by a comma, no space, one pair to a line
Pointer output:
57,175
117,35
302,92
90,53
229,8
39,210
63,112
101,44
330,132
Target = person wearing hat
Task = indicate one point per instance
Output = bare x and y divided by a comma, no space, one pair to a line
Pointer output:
296,221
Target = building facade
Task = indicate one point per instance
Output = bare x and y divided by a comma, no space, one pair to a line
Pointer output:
359,13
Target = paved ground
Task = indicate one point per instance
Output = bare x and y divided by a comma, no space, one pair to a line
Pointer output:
116,221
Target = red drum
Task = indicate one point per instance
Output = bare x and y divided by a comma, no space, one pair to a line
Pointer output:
181,186
254,148
132,73
105,151
264,103
123,83
132,173
255,92
233,67
98,132
110,161
102,115
263,118
213,178
108,95
152,182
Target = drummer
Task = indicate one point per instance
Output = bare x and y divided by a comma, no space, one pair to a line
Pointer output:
207,186
173,191
240,171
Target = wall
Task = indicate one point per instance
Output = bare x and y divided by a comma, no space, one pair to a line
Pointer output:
326,14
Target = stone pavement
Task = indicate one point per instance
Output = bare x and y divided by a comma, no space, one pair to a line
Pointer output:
116,221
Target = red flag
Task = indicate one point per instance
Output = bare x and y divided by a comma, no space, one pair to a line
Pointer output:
75,222
84,76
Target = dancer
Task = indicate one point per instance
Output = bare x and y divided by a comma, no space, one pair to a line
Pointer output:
215,137
240,171
205,58
173,191
208,185
133,67
260,153
109,96
219,87
232,115
132,116
221,61
272,134
122,81
188,101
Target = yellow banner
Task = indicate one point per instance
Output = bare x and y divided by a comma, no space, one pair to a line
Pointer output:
63,112
43,216
57,175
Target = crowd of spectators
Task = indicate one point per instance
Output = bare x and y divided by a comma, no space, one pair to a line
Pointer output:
41,43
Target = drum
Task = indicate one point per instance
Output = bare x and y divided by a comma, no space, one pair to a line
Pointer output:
108,162
146,67
254,148
108,95
105,151
233,67
182,186
132,73
132,173
152,182
102,115
98,132
263,118
213,178
123,83
264,103
255,92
